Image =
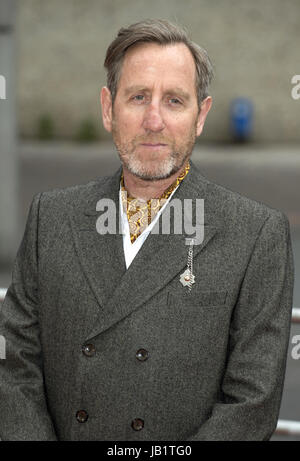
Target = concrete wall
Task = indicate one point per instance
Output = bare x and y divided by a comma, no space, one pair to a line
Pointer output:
8,149
254,47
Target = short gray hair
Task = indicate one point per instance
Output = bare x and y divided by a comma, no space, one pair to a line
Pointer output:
164,33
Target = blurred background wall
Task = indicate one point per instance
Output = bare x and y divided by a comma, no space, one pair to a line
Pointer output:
253,45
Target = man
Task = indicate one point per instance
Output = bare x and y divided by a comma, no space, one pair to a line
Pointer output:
139,335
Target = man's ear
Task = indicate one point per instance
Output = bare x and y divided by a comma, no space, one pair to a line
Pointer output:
106,104
204,109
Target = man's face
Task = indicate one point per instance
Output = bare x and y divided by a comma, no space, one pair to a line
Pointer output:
155,118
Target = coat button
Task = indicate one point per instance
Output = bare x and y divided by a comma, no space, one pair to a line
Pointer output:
142,355
89,350
137,424
82,416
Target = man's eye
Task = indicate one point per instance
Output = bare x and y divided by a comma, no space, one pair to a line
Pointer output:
175,101
138,97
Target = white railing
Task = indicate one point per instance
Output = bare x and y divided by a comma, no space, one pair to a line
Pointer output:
284,427
2,293
296,315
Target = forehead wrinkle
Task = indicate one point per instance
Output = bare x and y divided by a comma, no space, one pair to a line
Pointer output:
139,65
143,55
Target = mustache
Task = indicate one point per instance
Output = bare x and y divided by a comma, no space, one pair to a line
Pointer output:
151,140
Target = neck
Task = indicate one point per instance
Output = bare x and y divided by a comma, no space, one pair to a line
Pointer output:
146,190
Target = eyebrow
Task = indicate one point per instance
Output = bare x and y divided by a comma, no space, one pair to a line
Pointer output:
172,91
133,89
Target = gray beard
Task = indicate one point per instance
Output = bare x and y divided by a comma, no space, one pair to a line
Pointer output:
167,168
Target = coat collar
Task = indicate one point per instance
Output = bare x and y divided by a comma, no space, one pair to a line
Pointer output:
117,290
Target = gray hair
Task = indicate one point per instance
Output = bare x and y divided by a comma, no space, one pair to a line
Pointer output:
164,33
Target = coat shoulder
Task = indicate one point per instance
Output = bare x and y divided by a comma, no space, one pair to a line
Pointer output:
74,193
238,209
55,205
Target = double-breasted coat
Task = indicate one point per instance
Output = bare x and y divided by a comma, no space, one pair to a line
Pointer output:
98,352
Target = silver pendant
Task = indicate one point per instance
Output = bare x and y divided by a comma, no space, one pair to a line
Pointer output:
188,278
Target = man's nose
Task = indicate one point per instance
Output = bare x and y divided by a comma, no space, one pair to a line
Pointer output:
153,120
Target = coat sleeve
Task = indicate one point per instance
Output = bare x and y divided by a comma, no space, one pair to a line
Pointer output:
253,379
23,407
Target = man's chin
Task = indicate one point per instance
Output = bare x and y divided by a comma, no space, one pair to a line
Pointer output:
152,172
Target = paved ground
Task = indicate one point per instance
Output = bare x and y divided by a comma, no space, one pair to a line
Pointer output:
270,174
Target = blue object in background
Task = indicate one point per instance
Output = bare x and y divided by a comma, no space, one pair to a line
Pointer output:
241,117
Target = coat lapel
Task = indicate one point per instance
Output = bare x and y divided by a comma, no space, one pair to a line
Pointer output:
103,261
101,256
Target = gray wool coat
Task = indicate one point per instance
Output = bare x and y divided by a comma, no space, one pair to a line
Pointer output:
214,358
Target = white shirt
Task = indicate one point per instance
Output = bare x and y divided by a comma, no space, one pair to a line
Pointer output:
132,249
